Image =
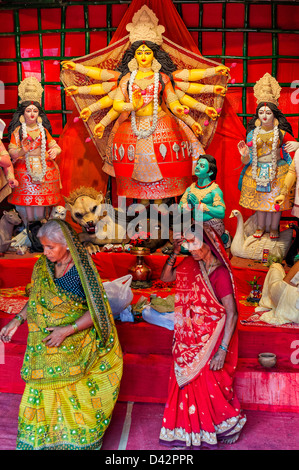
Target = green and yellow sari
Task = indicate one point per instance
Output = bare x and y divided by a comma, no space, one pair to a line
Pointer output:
70,390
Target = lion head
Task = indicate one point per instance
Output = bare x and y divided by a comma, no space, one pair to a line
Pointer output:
82,204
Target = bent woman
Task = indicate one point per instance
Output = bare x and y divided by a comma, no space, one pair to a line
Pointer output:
202,408
73,361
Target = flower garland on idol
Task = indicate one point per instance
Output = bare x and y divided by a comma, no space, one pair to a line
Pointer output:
264,181
36,177
144,133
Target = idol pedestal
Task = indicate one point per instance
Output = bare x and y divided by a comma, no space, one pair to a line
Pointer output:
147,348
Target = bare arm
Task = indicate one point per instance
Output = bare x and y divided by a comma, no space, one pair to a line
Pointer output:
289,276
9,330
168,273
229,304
59,333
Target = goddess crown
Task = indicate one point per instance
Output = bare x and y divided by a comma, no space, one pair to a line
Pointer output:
30,89
144,27
267,89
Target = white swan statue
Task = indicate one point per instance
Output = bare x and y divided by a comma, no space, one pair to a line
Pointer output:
245,245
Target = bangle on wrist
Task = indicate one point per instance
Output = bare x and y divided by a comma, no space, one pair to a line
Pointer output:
222,347
20,318
171,259
75,327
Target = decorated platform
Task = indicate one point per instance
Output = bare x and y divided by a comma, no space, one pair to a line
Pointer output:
147,348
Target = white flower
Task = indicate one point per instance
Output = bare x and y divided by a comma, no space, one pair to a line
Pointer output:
36,176
145,133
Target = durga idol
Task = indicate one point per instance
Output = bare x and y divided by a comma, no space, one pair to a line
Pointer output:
153,146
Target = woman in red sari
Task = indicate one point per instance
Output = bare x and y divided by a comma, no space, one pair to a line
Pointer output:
202,408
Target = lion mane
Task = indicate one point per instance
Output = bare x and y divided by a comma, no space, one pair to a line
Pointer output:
82,191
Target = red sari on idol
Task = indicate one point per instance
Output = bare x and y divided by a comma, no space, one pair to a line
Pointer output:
155,167
28,193
202,408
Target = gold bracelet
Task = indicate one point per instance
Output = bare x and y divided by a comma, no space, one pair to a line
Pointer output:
75,326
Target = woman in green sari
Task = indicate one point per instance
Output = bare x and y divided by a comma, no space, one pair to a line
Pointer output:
73,361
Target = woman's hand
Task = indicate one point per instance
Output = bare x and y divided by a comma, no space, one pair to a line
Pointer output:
217,361
9,330
58,335
177,243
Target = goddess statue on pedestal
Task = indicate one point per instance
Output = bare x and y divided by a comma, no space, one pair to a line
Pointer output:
266,158
152,129
33,151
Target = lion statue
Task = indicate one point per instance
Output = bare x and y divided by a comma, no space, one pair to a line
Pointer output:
100,222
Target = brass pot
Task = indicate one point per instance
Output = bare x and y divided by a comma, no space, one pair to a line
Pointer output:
140,271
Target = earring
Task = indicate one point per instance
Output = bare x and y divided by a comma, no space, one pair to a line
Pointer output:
156,66
133,65
22,119
276,122
257,123
39,119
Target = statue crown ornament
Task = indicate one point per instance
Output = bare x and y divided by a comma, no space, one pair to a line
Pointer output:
30,89
145,27
267,90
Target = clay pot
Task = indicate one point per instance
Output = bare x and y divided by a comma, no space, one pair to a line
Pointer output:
267,359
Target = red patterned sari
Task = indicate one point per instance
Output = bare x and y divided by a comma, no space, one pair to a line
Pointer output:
29,193
202,407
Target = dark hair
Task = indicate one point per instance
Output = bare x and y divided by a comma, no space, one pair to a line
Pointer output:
283,124
167,65
15,122
212,164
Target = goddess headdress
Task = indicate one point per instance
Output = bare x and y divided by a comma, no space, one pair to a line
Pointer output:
30,89
145,27
267,90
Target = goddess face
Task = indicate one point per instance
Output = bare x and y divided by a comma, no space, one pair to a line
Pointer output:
31,114
144,56
266,116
